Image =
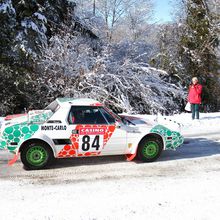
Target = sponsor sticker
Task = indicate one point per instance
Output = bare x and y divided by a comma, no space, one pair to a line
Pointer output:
53,127
92,131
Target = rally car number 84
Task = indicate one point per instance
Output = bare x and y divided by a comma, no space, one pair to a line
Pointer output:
82,128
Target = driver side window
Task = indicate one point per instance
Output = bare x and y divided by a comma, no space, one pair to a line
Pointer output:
85,115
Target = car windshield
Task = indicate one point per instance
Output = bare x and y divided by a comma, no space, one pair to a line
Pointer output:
116,116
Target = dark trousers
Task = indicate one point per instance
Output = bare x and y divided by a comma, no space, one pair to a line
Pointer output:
195,111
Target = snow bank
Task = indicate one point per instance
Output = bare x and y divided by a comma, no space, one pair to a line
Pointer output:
209,122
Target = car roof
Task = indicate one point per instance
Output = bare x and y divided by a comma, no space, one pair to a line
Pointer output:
78,102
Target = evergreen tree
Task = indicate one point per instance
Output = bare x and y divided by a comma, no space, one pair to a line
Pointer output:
200,39
198,48
25,30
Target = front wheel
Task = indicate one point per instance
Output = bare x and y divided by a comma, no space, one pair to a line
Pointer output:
150,149
36,155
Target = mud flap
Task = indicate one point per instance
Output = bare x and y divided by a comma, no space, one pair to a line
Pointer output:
13,160
130,157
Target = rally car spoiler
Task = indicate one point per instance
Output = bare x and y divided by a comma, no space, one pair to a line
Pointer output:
10,117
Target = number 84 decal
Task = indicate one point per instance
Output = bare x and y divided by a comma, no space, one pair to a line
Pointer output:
90,143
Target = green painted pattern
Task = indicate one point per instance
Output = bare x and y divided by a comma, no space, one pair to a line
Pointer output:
173,143
18,132
2,144
40,117
22,131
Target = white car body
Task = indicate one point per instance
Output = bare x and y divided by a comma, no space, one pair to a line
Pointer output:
66,139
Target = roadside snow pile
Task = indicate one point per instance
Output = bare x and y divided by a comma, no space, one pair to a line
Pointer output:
208,123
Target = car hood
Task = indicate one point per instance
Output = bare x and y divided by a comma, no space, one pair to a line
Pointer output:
138,121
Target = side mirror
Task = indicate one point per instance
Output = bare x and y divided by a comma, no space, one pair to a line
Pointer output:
118,124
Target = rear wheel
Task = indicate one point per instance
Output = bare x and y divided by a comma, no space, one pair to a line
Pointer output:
150,149
36,155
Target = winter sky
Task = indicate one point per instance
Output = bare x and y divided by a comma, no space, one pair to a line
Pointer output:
163,9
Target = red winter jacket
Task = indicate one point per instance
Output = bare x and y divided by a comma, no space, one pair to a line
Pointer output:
195,92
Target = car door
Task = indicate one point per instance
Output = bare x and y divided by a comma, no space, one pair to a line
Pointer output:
94,132
117,144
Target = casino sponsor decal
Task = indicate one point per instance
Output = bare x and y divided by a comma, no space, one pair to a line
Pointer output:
92,131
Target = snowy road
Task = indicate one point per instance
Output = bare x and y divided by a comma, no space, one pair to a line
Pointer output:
181,185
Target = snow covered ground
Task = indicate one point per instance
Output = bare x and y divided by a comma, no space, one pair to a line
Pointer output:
209,122
182,184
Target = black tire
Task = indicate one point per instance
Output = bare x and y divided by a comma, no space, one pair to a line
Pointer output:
150,149
36,155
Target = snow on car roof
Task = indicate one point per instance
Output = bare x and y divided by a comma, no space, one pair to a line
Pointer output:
80,101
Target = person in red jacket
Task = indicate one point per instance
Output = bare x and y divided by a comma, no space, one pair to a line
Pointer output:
194,97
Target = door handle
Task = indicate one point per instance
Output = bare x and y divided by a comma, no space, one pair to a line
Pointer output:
75,131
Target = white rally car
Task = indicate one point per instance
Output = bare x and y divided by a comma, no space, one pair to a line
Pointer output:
81,128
